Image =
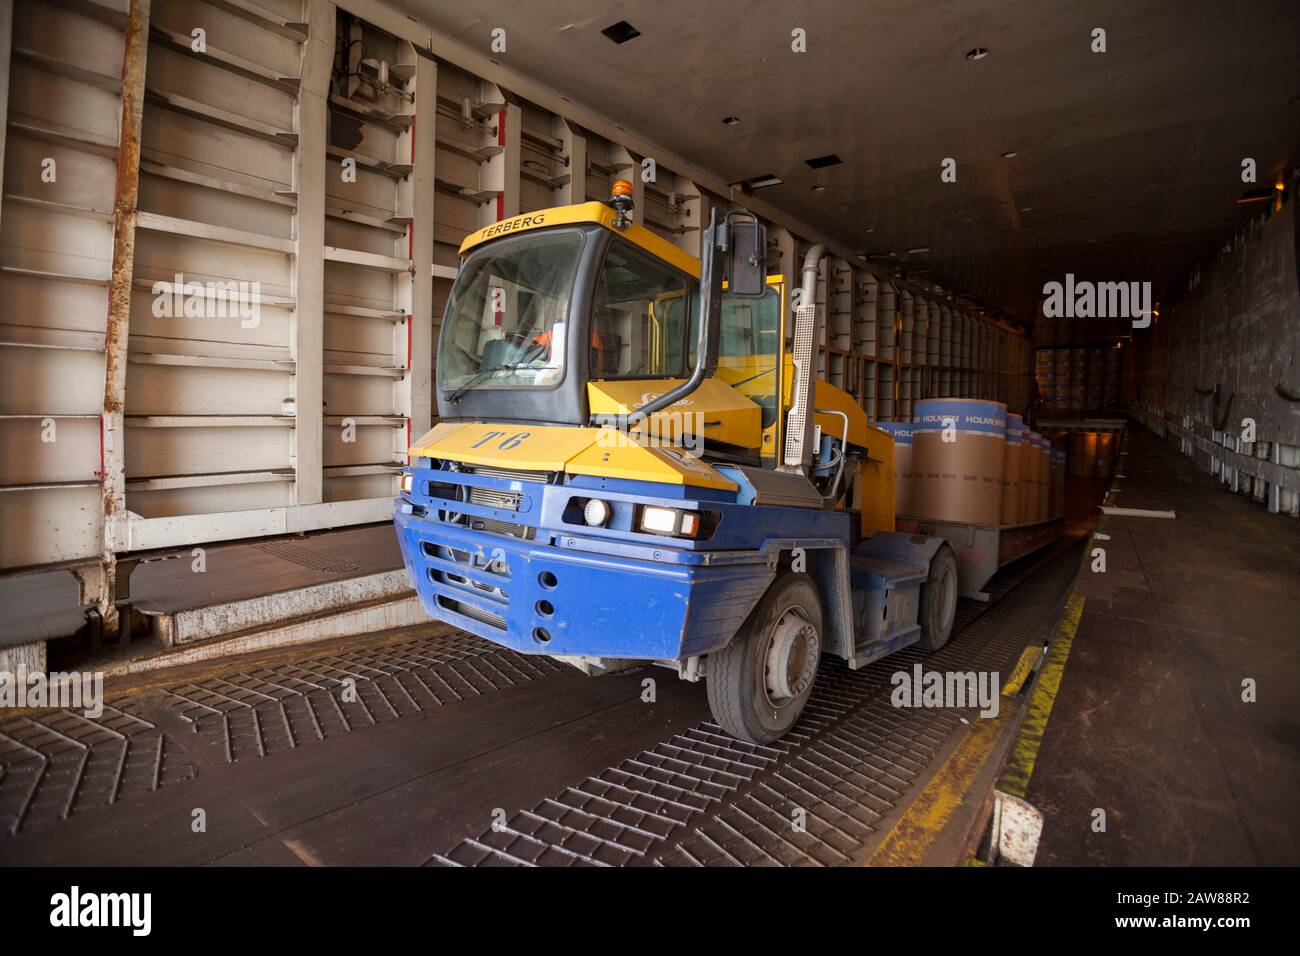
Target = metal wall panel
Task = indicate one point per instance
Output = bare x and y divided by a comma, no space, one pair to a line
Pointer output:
56,246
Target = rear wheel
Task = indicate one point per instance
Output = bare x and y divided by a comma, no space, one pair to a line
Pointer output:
938,601
758,685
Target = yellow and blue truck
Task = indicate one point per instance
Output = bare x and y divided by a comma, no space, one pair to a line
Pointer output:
635,464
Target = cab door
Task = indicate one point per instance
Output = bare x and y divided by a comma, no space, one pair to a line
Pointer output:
751,353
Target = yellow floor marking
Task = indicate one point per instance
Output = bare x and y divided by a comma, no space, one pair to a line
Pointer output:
301,852
913,834
1028,658
1024,752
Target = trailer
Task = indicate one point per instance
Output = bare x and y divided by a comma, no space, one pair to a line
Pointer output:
983,550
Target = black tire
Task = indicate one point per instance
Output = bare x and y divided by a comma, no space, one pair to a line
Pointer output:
938,601
741,695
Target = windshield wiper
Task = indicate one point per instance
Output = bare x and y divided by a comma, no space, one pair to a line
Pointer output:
469,383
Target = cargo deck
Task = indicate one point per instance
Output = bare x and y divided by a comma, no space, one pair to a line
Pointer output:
447,730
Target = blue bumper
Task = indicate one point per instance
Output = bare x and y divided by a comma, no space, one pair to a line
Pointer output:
562,594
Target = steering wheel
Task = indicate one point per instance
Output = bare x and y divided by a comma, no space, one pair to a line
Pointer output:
531,349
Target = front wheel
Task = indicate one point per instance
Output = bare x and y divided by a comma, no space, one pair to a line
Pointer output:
758,685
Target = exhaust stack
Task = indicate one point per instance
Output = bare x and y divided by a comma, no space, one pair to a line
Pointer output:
798,430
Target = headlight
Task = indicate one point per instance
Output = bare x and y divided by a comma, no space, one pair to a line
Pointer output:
595,513
408,481
658,520
670,521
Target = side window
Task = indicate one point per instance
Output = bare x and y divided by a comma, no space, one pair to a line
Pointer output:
749,326
638,322
749,346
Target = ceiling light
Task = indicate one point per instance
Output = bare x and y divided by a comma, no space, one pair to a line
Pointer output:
821,162
621,32
1010,154
918,250
819,189
977,53
761,182
871,228
730,120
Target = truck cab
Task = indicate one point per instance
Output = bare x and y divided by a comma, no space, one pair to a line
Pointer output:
561,324
633,465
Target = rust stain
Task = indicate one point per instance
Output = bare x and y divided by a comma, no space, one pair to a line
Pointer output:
125,203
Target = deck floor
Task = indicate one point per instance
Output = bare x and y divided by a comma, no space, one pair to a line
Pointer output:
427,745
1149,724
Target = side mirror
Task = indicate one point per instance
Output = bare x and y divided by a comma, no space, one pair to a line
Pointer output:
747,258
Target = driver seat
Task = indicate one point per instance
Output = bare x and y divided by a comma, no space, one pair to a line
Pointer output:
499,352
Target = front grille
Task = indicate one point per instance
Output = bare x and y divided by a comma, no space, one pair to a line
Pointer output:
493,589
509,474
521,531
501,570
468,584
469,610
491,498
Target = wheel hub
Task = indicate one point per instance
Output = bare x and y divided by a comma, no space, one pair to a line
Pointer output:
791,658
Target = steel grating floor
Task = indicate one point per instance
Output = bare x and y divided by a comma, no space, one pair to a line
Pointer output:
702,798
412,748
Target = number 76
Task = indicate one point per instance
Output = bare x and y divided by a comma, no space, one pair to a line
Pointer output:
511,442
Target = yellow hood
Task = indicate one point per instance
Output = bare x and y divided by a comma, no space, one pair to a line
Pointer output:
603,452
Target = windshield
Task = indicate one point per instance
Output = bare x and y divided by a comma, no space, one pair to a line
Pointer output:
505,322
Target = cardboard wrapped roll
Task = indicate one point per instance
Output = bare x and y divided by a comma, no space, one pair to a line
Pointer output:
1057,509
1030,466
1027,512
902,432
1011,490
1044,478
958,448
1028,477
